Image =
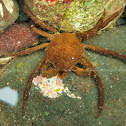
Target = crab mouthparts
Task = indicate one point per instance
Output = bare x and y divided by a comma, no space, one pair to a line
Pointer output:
62,74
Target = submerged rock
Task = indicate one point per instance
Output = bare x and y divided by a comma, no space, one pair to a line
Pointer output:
8,13
15,38
74,15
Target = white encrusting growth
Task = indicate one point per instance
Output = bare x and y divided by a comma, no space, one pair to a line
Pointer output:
1,10
52,87
9,4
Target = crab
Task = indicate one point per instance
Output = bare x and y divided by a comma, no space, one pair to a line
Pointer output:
64,52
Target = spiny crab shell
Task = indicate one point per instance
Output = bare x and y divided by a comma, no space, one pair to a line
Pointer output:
73,15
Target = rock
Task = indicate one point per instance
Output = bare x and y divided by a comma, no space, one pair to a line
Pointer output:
67,15
8,13
74,15
15,38
22,15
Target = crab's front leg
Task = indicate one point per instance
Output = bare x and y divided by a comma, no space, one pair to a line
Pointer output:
47,71
88,71
29,83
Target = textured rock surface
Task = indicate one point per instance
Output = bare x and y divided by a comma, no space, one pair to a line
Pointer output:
65,111
8,13
15,38
73,15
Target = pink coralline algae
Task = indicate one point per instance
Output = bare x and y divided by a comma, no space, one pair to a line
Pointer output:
52,87
16,38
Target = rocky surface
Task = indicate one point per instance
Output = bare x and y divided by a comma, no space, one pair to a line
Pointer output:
66,111
74,15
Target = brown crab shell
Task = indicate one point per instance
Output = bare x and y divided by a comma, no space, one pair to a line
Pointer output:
64,51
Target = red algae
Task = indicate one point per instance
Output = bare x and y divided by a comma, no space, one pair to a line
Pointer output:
16,37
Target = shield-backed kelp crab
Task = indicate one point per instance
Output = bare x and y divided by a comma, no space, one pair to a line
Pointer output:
63,53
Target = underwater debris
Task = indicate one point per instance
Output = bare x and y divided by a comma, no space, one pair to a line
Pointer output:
5,60
52,87
9,96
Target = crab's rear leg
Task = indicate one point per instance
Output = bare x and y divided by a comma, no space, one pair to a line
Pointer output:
105,51
112,17
36,20
29,50
88,71
42,33
90,33
99,25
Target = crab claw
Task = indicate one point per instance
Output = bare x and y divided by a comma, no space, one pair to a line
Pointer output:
82,72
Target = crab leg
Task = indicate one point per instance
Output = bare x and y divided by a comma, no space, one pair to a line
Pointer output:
41,23
99,85
88,71
29,50
90,33
83,72
52,72
29,83
42,33
48,72
99,25
104,51
113,16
